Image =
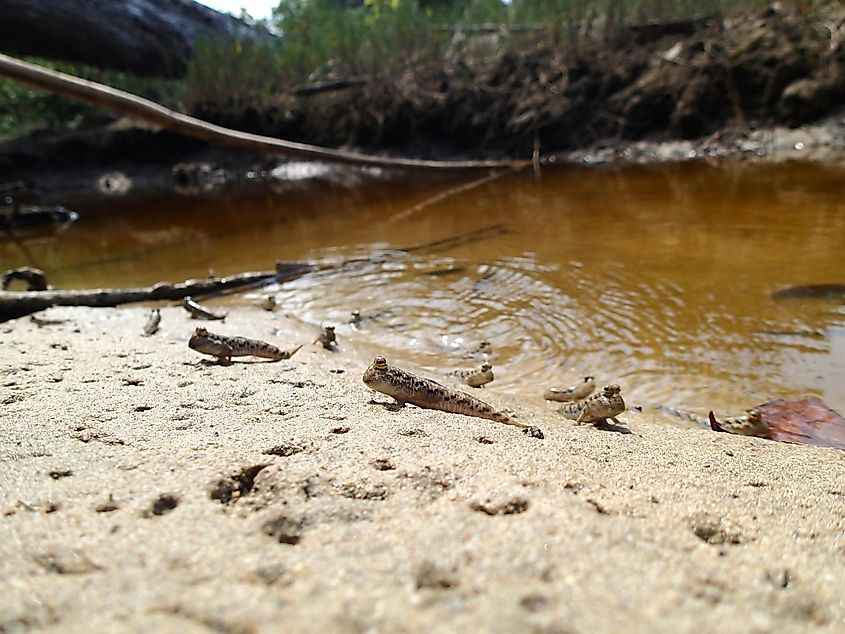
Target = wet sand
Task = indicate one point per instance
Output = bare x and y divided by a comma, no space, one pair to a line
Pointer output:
145,491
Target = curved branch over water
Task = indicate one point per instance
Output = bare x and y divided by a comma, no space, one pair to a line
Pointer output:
151,112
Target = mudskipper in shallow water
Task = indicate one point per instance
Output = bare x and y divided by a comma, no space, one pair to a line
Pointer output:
327,338
475,378
153,321
573,392
598,408
268,303
749,424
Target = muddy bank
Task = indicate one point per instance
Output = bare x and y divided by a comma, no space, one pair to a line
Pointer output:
144,488
679,80
765,85
124,159
145,164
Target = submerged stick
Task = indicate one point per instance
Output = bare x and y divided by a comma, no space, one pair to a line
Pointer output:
434,246
458,240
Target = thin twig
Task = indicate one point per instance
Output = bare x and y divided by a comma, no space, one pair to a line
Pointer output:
454,191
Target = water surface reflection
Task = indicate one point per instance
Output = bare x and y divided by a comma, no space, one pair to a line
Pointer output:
658,278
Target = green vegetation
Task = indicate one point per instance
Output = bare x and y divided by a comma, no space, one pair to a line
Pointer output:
319,39
323,39
331,39
24,109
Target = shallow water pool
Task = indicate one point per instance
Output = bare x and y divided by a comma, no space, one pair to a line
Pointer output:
658,278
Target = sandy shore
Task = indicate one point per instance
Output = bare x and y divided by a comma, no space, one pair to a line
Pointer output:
145,491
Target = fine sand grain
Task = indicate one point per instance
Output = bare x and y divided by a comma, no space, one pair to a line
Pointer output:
143,490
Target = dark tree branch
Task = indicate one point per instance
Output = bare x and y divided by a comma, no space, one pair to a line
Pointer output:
143,37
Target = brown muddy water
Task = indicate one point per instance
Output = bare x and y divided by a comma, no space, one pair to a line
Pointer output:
658,278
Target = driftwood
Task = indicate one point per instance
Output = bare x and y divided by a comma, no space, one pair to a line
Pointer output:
18,304
146,110
143,37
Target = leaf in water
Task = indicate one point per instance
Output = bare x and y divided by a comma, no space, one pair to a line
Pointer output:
805,422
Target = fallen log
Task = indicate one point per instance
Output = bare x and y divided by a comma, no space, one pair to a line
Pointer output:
143,37
146,110
19,304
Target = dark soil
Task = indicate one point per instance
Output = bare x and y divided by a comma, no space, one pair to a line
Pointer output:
709,79
679,80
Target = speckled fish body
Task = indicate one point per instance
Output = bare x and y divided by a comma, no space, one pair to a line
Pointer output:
198,312
409,388
572,393
598,408
479,378
151,327
327,338
224,348
749,424
684,414
268,303
476,378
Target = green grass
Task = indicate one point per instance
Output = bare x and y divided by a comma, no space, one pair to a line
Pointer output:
24,109
321,39
316,42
